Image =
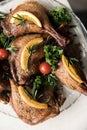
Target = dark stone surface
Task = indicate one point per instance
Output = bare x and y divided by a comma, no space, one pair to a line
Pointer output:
80,9
83,17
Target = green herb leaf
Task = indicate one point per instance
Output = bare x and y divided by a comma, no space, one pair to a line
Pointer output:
49,80
2,15
72,60
36,85
59,15
32,49
5,42
12,49
28,92
52,55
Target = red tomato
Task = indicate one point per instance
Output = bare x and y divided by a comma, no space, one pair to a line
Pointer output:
3,54
45,68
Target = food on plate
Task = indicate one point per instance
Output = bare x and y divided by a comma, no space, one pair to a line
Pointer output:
3,54
19,69
71,69
37,60
12,29
59,15
45,68
29,101
21,16
32,115
71,76
25,52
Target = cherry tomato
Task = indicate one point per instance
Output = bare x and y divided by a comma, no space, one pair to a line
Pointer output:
3,54
45,68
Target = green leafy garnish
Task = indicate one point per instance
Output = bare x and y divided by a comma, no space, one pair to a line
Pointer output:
59,15
73,60
52,55
2,15
32,49
36,86
5,42
28,92
49,80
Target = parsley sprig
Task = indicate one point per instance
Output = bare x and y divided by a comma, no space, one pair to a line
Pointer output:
52,55
59,15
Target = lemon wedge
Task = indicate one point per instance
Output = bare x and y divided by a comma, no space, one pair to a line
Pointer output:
29,101
71,70
25,52
21,16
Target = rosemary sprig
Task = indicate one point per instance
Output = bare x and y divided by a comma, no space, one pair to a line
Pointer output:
6,42
28,92
43,80
21,19
2,15
32,49
11,49
36,86
73,60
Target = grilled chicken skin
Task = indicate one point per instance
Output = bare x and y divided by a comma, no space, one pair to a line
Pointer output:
30,114
66,79
20,76
40,12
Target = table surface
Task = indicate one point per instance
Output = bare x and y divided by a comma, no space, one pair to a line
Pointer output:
74,118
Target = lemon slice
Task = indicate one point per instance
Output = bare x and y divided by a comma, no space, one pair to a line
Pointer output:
19,16
25,52
71,70
30,101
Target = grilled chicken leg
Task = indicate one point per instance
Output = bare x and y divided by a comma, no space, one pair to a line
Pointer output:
66,79
40,12
30,114
19,75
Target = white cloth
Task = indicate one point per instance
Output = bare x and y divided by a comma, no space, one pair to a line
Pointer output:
74,118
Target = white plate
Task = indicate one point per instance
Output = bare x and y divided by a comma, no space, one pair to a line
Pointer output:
71,96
